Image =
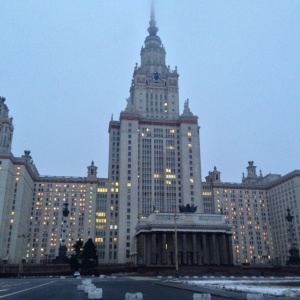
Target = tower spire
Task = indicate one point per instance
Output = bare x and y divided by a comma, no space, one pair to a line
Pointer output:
152,29
152,14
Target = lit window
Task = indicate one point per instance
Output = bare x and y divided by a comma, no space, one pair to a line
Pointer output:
171,176
100,220
100,214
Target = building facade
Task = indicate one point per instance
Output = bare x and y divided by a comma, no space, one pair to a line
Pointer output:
257,208
154,167
198,239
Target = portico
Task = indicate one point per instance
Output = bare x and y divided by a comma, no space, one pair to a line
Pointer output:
202,239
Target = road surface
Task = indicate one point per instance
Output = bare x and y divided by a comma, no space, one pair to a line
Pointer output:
114,288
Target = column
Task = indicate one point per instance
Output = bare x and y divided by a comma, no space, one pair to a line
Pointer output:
224,257
205,247
222,246
213,249
164,257
194,246
184,249
153,249
174,247
218,249
147,249
229,247
141,259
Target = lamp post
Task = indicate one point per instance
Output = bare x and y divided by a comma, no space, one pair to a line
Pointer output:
63,248
22,262
264,257
278,258
176,247
23,259
46,258
294,258
290,218
5,260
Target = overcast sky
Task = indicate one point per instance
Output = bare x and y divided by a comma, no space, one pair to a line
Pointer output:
66,67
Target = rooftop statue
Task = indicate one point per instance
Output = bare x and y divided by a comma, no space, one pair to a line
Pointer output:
186,111
187,209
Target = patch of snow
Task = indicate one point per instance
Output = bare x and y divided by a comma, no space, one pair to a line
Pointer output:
266,286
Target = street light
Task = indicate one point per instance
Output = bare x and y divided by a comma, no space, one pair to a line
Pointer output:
23,259
176,247
5,260
47,258
264,257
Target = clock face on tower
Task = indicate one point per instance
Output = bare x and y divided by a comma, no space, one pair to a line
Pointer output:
156,77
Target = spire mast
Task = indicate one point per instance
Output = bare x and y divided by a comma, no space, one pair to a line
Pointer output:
152,28
152,14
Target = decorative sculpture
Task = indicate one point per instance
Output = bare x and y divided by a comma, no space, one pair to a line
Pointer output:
187,209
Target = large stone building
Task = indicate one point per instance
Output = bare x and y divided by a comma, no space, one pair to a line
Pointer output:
154,150
257,210
154,167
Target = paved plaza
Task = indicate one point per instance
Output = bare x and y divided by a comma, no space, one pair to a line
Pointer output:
115,287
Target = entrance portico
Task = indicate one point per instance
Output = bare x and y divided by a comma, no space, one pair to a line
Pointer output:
202,239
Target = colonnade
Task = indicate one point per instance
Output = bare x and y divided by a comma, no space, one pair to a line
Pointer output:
201,248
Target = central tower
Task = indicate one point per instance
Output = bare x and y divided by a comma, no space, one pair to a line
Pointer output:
154,157
154,88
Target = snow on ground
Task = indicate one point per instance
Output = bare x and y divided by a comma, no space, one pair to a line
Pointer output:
273,287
